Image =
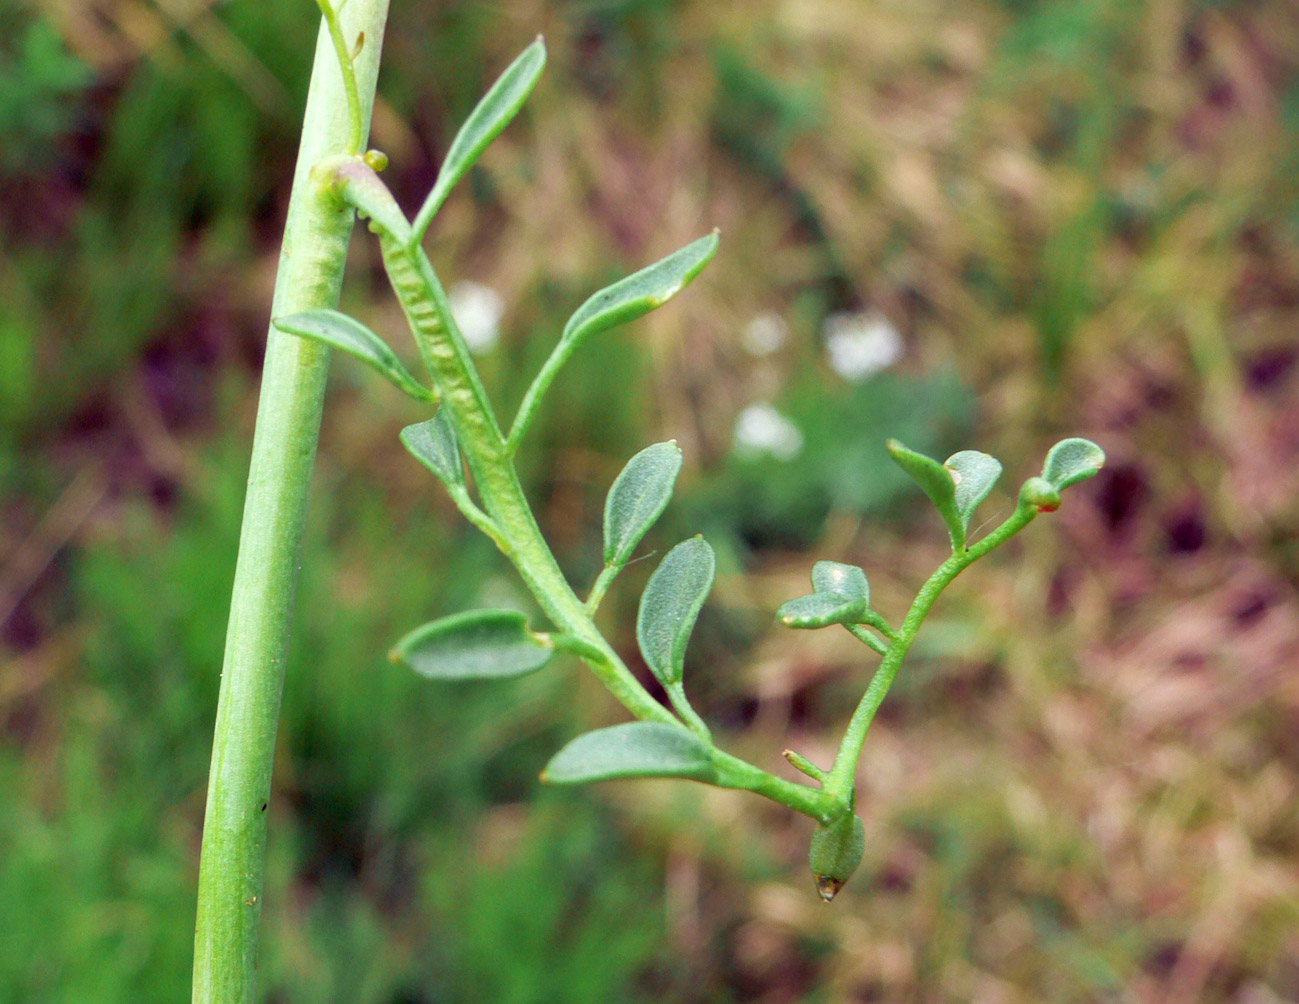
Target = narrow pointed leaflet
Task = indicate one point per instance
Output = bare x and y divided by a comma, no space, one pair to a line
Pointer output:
491,115
433,444
638,497
640,292
636,749
475,645
671,604
619,303
936,480
349,335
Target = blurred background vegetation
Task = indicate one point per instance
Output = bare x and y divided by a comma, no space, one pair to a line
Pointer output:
984,223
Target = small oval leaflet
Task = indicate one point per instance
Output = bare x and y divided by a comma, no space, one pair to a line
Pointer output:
837,577
475,645
638,497
1071,461
842,597
635,749
670,605
490,116
434,444
974,474
640,292
819,610
937,482
349,335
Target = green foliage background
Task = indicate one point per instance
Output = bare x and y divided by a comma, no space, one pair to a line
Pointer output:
1081,216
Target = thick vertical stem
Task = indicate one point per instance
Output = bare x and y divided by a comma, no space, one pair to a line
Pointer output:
284,447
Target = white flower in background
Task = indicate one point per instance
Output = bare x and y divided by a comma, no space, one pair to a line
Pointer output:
760,428
860,345
765,334
477,310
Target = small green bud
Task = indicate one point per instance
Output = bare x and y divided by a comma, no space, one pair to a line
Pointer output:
376,160
1040,493
835,854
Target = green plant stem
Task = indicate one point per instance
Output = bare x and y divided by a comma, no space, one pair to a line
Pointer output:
841,780
602,583
867,639
732,772
879,624
232,861
677,695
535,393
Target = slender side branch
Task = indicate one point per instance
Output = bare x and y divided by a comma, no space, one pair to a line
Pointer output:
288,421
602,583
804,765
842,776
356,117
879,624
469,509
821,805
532,399
677,695
867,639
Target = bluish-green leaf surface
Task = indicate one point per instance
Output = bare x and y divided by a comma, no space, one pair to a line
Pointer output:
671,603
489,117
638,497
640,292
842,597
349,335
1071,461
837,577
974,474
936,481
636,749
475,645
434,444
818,610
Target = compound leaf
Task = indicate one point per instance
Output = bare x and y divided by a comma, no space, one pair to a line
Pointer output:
475,645
636,749
638,497
349,335
670,605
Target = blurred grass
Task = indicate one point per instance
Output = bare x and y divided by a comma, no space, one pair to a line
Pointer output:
1079,216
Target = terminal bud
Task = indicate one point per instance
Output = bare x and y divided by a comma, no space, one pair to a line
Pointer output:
835,854
1041,494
